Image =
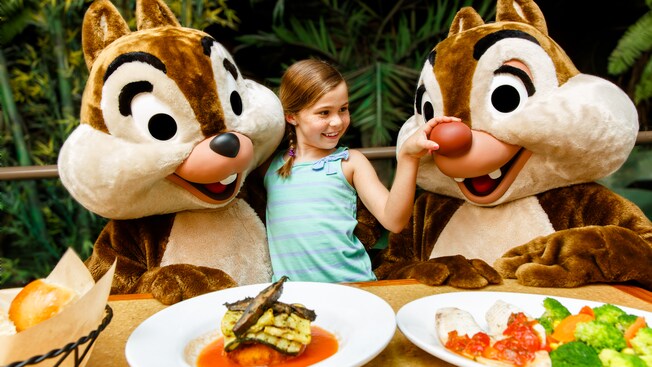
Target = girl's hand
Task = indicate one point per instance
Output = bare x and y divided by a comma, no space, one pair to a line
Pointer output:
418,144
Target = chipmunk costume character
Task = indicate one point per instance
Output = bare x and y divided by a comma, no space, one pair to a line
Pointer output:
513,185
169,131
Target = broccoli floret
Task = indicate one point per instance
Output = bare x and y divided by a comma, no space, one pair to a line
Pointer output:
553,313
608,313
574,354
600,335
625,321
612,358
642,342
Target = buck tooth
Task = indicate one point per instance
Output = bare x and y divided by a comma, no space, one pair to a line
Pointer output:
458,179
229,180
495,174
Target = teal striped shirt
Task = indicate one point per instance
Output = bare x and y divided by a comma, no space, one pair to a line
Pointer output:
311,216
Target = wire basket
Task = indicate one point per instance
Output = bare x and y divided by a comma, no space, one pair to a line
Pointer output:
78,349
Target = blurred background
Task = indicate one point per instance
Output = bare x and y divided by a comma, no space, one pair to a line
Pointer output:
379,46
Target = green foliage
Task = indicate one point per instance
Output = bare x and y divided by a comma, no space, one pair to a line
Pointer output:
380,47
42,77
632,47
634,179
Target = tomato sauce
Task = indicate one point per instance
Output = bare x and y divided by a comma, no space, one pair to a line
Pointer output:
322,345
518,348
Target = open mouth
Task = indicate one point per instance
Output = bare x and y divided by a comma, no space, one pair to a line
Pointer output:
486,184
217,191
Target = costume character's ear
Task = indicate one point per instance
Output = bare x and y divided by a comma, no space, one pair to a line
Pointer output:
465,19
153,14
102,25
523,11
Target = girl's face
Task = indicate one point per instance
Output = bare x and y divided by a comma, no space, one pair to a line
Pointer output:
322,125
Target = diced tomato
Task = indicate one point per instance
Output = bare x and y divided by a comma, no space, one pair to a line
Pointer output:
466,346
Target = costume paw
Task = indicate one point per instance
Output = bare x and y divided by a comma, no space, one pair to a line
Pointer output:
456,271
175,283
579,256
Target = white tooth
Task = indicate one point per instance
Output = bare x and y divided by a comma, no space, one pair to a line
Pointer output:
495,174
229,180
458,179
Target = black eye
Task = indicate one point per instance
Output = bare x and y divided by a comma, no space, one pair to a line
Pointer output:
428,111
509,92
162,126
505,98
236,103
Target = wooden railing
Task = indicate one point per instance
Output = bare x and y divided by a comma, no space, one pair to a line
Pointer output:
50,171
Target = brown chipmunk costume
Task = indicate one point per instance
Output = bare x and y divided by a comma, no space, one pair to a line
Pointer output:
513,185
169,131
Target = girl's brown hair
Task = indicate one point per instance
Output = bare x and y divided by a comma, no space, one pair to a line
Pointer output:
302,85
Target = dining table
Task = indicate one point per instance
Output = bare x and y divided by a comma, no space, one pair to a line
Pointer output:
131,310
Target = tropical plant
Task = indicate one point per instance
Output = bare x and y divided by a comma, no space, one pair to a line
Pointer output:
633,47
42,76
379,46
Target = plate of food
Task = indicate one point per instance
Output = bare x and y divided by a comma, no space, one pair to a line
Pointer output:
475,329
320,324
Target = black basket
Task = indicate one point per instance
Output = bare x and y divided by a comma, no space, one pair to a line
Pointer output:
77,348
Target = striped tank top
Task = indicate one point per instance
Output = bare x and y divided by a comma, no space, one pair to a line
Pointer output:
311,216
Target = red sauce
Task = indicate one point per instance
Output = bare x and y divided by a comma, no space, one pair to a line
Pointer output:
518,347
322,345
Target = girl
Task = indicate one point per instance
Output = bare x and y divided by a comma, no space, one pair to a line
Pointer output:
312,187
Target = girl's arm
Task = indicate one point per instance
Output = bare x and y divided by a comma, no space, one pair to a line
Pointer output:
393,208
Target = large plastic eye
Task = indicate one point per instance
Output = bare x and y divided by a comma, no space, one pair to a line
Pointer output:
507,93
162,126
153,117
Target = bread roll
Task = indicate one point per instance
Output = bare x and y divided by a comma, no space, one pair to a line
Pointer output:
37,302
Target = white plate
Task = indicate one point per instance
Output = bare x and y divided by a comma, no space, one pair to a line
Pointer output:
416,320
362,322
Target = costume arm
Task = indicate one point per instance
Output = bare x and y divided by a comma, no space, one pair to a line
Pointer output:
600,237
138,246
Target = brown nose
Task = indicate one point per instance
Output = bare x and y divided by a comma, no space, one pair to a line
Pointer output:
454,138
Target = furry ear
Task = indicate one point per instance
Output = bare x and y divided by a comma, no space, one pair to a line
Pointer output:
465,19
154,13
102,25
523,11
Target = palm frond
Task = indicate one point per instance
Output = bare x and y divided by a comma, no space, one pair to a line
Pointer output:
636,40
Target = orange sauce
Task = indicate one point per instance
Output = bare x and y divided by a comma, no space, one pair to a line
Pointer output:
322,345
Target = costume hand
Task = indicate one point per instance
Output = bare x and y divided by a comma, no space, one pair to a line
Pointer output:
456,271
174,283
418,144
579,256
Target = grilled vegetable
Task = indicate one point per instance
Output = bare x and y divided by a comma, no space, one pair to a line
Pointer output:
258,305
265,320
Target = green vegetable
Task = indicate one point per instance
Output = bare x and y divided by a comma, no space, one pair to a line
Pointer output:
574,354
612,358
614,315
642,343
553,313
608,313
625,321
600,335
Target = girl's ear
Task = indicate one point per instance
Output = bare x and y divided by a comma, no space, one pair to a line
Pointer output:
290,119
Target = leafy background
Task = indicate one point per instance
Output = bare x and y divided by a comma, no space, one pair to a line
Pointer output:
379,46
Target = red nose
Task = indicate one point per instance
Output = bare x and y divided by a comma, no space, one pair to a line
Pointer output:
454,138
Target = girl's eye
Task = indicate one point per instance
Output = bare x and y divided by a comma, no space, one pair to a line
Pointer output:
344,109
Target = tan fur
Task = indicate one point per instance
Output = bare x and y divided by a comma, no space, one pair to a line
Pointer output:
540,218
155,98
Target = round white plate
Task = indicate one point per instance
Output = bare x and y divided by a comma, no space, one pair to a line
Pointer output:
362,322
416,320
